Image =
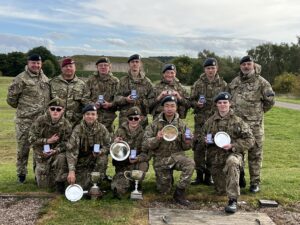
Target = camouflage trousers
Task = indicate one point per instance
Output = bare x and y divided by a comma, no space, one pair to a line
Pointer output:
51,170
23,145
200,151
121,183
88,164
164,171
226,174
255,154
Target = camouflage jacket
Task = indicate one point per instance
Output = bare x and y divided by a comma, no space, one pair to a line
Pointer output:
75,94
43,128
239,131
82,140
134,140
163,148
143,86
209,89
183,104
251,96
29,93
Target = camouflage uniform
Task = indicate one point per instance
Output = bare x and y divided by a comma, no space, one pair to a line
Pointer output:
54,168
106,85
183,105
250,100
134,140
209,89
168,155
29,93
75,94
143,87
226,165
80,156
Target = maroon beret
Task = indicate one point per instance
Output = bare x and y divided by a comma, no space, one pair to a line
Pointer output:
67,61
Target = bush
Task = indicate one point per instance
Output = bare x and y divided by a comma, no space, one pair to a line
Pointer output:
285,83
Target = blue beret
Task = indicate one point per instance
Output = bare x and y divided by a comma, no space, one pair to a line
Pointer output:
222,96
34,57
103,60
168,99
210,62
133,57
246,58
88,108
168,67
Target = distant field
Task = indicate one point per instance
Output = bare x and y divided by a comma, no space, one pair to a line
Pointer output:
280,175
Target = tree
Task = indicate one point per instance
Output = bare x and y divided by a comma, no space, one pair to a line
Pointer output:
14,64
285,83
184,65
48,68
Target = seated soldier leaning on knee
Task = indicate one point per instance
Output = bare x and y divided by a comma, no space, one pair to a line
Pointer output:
168,155
226,160
131,132
48,136
87,149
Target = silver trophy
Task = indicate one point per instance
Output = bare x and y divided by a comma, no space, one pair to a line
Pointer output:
136,175
95,191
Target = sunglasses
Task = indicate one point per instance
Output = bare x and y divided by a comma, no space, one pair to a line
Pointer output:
57,109
131,118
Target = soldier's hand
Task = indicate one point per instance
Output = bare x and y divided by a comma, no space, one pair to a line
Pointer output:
162,95
159,135
98,154
71,177
227,147
118,139
106,105
98,105
177,95
132,161
129,99
52,152
53,139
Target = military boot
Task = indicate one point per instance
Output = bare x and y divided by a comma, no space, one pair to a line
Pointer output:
199,178
179,197
254,188
242,181
21,178
60,187
232,206
208,180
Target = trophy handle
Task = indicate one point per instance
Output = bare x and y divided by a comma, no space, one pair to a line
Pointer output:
125,175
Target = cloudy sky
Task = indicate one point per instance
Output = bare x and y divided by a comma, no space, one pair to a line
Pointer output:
148,27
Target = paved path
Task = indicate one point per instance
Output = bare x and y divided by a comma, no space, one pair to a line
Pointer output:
287,105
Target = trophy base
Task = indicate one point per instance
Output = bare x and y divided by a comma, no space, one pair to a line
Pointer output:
135,195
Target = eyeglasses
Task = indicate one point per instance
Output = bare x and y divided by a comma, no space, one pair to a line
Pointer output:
57,109
135,118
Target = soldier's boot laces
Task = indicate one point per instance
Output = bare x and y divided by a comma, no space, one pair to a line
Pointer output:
179,197
232,206
199,178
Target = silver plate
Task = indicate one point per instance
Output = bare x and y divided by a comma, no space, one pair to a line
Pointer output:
119,150
170,132
222,138
74,192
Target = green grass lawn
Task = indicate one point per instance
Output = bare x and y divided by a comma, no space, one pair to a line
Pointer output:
280,175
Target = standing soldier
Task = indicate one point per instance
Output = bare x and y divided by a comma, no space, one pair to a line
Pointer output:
48,136
135,89
169,85
103,86
203,91
87,149
168,155
226,160
29,93
71,89
252,96
131,132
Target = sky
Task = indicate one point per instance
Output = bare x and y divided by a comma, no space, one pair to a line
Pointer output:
147,27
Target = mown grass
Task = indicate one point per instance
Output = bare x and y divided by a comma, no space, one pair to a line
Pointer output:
288,98
280,175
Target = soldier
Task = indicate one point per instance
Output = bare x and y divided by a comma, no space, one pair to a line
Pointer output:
131,132
29,94
87,149
169,85
135,89
226,160
48,135
103,86
252,96
203,91
169,155
70,89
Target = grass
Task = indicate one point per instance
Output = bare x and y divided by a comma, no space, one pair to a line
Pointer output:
288,98
280,175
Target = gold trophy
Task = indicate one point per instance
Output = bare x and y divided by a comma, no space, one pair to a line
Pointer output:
95,191
136,175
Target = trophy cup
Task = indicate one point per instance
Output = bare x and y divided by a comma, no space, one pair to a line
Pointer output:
95,192
137,176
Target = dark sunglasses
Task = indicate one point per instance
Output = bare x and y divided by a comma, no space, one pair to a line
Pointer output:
131,118
57,109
